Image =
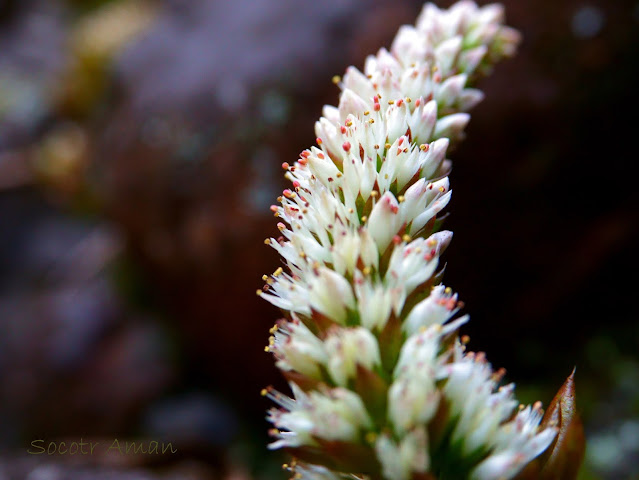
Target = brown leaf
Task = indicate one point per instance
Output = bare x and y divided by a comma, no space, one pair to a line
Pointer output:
390,341
564,456
340,456
373,391
530,472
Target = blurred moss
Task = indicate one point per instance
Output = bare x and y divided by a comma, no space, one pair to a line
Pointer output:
94,40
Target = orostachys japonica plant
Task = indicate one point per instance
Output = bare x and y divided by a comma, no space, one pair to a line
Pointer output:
382,384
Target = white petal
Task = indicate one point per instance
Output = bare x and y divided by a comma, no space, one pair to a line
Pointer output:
384,221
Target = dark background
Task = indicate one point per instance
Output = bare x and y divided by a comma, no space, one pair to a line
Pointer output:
140,145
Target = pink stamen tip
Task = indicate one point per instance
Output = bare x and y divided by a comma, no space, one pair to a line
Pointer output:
346,146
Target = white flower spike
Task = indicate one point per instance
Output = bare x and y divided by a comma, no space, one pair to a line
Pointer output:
382,385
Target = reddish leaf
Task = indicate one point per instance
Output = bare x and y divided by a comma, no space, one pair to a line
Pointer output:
390,342
530,472
340,457
305,382
564,456
373,391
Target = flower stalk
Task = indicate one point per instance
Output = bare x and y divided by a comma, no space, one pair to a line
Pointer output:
382,384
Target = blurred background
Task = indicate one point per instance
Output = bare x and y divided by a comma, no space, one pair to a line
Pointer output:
140,149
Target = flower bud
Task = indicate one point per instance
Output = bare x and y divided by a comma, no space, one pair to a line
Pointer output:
434,157
450,90
469,60
468,98
400,461
356,81
347,348
436,309
331,294
384,221
351,102
336,414
296,348
447,52
374,302
422,122
451,126
419,210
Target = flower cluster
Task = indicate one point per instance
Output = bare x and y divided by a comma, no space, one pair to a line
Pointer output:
382,385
